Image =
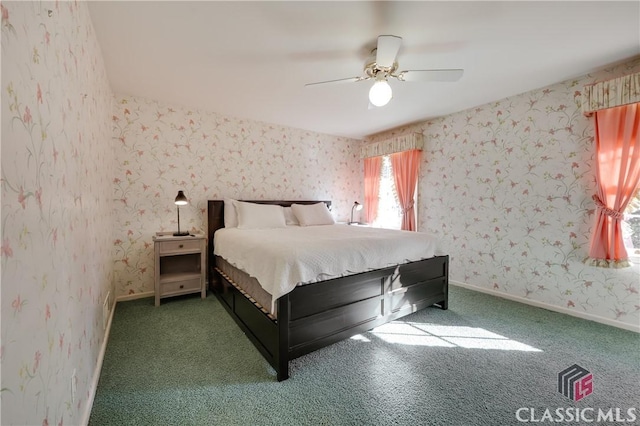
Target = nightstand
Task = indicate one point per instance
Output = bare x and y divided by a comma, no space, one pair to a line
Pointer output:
180,265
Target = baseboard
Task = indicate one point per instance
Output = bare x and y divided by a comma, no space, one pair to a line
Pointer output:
582,315
93,387
103,349
135,296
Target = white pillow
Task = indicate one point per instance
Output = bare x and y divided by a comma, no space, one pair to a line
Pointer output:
230,213
312,214
290,218
260,216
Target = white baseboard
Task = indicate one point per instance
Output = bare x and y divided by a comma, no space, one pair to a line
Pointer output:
135,296
93,386
582,315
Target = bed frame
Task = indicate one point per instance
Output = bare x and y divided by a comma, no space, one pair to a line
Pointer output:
319,314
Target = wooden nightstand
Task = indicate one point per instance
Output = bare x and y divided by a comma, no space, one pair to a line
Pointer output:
180,265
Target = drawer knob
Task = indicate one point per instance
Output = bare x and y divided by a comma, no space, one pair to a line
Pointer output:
181,245
181,285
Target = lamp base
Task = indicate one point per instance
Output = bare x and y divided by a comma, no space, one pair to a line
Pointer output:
180,234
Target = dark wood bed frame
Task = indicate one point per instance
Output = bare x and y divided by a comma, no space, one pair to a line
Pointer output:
319,314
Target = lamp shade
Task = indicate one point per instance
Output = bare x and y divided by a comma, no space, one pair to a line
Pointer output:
181,199
380,93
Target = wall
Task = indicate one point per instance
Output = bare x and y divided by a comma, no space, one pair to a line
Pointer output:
56,169
507,187
161,149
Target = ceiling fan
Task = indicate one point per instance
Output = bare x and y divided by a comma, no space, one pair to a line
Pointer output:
382,64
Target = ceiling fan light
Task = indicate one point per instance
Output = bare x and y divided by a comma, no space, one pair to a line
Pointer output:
380,93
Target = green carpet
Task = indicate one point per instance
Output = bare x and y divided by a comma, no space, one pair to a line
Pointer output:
187,363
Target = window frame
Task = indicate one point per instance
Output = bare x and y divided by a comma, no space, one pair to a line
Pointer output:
632,211
380,222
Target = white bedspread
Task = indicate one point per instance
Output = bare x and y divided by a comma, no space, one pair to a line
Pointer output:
282,258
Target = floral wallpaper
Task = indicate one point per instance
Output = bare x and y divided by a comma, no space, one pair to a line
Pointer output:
507,186
57,165
161,149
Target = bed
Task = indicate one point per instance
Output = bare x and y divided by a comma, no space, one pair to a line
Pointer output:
320,313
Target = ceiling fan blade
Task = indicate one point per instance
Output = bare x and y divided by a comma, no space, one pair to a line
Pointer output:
431,75
340,80
387,50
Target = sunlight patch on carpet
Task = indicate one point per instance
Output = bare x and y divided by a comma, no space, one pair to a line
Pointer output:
360,338
418,334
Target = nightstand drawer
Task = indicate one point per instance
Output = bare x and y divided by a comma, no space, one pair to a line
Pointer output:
180,286
179,246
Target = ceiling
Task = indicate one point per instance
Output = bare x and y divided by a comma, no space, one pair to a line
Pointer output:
252,59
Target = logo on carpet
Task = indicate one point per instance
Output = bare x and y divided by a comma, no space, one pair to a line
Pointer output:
575,382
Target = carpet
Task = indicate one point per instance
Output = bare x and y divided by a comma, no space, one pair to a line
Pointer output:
485,361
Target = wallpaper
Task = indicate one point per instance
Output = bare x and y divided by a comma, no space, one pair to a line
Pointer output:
57,165
507,187
161,149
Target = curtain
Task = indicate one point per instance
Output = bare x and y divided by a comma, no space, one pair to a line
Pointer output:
406,166
372,167
617,177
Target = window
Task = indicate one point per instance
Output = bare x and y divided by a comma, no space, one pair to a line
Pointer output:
631,227
389,200
389,210
618,167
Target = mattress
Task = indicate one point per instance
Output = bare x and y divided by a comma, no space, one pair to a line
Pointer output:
280,259
248,284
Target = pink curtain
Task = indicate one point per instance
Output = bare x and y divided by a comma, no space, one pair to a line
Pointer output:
617,177
372,167
406,166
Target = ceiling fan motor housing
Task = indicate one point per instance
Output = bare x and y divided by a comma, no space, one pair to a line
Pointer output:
372,69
